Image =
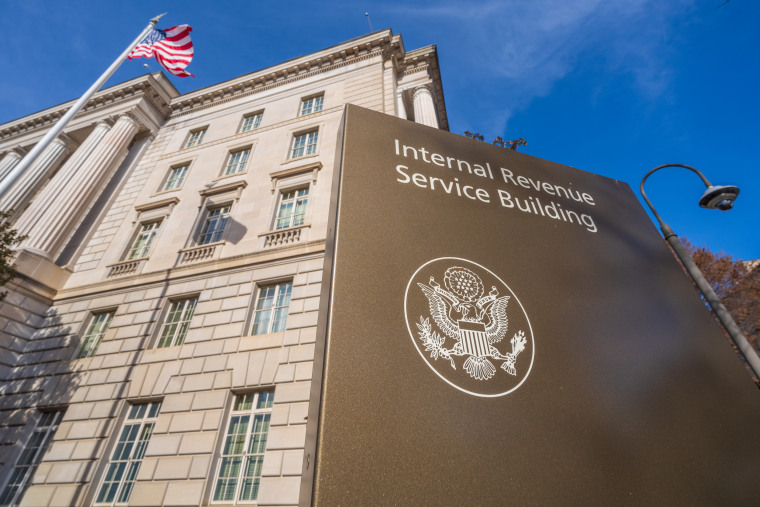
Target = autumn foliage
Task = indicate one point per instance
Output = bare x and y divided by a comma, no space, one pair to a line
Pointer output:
736,283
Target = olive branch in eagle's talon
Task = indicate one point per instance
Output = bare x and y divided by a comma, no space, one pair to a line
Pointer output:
433,341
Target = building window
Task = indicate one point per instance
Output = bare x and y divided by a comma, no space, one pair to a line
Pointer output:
214,225
176,177
177,321
304,144
312,105
141,244
236,162
271,311
242,457
128,454
251,121
195,137
94,333
292,209
30,457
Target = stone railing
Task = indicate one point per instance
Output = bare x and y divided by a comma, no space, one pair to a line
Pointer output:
199,253
126,267
283,237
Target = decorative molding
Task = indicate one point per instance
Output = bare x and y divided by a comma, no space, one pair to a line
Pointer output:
314,167
108,98
170,203
236,186
263,81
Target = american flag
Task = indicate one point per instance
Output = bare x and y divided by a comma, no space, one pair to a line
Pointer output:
172,48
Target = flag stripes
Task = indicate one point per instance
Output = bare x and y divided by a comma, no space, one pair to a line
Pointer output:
171,47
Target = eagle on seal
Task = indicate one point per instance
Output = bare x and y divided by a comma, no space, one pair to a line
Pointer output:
474,321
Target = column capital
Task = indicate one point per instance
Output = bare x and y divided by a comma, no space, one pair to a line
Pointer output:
66,143
131,118
18,151
105,122
420,89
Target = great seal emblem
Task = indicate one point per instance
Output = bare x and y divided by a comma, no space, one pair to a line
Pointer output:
459,329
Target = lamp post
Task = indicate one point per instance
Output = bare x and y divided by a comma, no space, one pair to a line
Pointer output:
715,197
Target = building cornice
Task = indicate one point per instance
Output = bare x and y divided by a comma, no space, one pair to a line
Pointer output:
378,44
155,89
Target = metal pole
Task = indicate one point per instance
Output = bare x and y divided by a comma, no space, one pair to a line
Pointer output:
736,334
30,157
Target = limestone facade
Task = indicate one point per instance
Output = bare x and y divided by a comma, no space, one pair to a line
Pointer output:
157,345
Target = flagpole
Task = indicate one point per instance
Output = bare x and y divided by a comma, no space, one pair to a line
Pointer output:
30,157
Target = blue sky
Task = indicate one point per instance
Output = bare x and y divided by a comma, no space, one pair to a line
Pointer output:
611,87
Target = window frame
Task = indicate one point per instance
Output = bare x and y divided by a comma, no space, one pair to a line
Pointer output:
86,331
220,233
255,310
305,147
217,196
281,199
37,455
136,237
191,140
311,104
244,454
149,417
256,116
185,320
167,179
241,166
146,213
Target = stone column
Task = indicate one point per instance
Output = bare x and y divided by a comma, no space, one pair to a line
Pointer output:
65,210
424,107
31,215
9,161
400,105
35,176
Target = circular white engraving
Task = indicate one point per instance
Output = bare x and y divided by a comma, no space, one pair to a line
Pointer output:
469,327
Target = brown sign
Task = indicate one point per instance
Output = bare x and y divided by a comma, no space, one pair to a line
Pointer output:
503,329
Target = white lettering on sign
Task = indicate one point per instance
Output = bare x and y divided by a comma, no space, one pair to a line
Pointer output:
532,204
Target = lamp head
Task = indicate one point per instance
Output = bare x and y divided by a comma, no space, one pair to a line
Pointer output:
720,197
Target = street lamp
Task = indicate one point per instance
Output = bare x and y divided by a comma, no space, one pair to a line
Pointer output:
715,197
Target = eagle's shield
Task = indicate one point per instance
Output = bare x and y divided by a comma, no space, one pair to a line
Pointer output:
473,338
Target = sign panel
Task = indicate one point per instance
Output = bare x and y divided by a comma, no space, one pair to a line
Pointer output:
505,329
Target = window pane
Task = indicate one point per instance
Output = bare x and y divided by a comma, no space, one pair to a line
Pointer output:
94,333
243,401
195,138
127,456
141,245
213,227
292,209
176,177
251,122
312,105
239,473
236,162
30,458
177,322
305,144
265,399
271,311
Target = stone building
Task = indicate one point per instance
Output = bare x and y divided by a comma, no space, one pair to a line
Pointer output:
157,345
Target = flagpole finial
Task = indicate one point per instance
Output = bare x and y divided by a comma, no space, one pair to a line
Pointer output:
154,21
